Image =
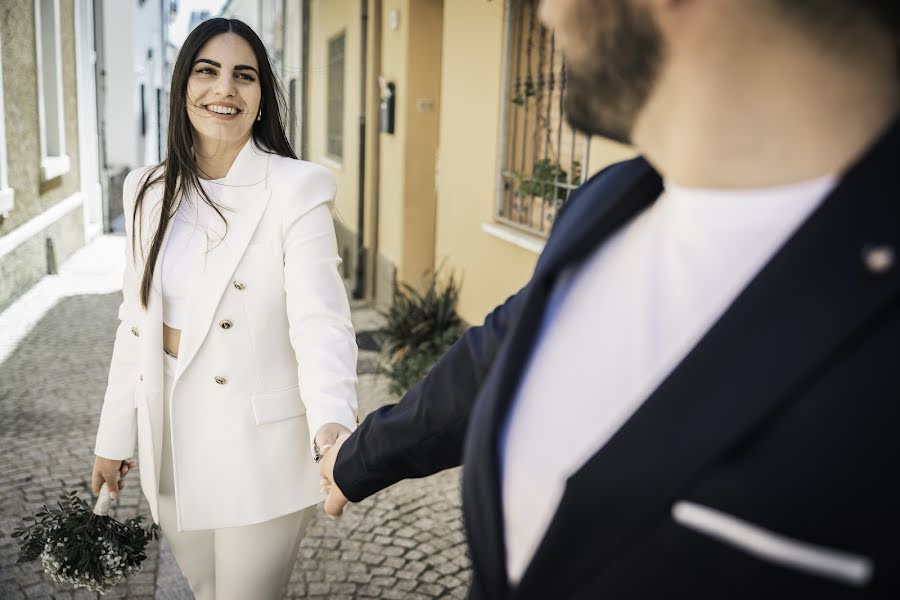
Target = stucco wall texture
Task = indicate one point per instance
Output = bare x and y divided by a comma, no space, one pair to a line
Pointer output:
20,87
27,263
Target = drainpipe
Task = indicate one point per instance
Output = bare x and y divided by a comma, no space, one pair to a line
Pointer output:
359,289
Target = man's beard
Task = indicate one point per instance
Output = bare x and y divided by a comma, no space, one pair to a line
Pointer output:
606,92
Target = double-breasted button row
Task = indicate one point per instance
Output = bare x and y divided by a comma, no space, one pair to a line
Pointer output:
227,324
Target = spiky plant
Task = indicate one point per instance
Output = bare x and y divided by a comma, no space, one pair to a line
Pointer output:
421,324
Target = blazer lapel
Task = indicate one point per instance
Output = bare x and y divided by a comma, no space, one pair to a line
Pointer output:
790,320
614,199
244,199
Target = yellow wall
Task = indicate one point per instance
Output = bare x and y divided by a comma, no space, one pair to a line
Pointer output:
394,54
327,19
491,268
422,107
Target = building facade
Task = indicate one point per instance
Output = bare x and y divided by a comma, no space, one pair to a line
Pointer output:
442,121
452,122
50,200
82,101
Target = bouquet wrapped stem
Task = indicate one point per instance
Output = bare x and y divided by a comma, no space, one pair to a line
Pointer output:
83,546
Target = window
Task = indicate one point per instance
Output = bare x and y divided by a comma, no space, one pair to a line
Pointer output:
335,142
542,158
6,193
54,161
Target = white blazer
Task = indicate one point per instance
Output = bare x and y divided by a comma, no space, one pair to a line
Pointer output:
267,357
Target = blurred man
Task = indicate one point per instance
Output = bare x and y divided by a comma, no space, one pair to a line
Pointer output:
697,394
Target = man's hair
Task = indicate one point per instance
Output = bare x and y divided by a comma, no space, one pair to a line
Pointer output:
832,17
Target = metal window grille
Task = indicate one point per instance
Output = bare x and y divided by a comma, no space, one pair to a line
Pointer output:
335,133
543,159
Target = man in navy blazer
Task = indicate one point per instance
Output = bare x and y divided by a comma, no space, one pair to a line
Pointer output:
697,393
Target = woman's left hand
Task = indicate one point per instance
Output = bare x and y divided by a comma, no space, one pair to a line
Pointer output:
327,435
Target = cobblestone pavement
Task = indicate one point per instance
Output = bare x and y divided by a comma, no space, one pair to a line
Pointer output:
405,542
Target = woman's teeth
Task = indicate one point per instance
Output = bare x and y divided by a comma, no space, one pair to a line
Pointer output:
223,110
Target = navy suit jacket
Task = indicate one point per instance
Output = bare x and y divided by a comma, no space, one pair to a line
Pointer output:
785,415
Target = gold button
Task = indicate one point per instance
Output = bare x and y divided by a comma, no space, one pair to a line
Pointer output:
226,324
221,380
134,330
239,285
879,259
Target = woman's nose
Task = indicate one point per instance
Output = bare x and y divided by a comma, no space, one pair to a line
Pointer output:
224,85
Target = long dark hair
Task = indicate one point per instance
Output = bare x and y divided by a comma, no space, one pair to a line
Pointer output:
178,171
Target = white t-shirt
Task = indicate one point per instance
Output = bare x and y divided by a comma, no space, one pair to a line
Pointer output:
196,230
622,321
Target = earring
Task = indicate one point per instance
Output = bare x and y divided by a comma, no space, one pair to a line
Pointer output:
259,116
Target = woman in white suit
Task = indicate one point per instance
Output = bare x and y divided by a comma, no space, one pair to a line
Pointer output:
234,365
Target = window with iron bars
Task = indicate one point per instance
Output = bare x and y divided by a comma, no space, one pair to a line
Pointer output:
543,159
335,124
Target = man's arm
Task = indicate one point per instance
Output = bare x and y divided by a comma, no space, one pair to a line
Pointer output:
424,432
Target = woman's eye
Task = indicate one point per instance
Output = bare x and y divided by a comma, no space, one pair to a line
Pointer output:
206,71
245,77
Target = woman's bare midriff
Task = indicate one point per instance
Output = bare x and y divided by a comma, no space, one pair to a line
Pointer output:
171,339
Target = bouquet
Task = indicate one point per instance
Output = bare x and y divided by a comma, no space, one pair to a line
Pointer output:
84,547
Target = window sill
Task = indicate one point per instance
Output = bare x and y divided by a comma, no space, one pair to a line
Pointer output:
7,201
515,237
332,163
54,166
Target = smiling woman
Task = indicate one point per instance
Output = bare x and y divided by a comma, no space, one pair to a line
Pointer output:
235,360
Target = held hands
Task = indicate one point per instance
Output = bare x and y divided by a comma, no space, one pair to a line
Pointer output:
335,501
111,472
327,434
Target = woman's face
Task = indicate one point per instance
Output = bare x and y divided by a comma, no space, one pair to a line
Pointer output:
223,91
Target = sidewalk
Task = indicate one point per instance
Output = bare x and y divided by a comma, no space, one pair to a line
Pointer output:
55,345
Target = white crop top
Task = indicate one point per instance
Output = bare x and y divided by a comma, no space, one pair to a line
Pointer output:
196,229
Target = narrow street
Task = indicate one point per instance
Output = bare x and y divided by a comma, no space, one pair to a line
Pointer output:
405,542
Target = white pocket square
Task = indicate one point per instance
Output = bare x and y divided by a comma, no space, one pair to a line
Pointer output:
852,569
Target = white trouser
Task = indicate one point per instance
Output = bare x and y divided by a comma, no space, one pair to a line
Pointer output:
240,563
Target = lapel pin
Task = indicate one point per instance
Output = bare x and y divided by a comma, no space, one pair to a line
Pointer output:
879,259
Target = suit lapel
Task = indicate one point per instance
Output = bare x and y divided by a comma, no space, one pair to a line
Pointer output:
614,198
244,199
791,320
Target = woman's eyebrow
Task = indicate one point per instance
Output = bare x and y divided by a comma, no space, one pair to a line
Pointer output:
219,65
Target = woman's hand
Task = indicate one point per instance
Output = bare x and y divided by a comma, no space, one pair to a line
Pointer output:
328,434
335,501
111,472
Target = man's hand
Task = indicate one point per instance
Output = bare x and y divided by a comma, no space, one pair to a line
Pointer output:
335,501
111,472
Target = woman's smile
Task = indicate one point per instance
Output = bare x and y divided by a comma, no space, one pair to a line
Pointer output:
223,112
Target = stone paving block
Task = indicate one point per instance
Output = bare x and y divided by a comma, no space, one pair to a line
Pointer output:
393,594
361,578
393,551
432,589
415,554
429,576
321,588
384,582
335,576
406,585
383,572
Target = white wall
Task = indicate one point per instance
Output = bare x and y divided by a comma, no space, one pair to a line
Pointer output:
134,56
